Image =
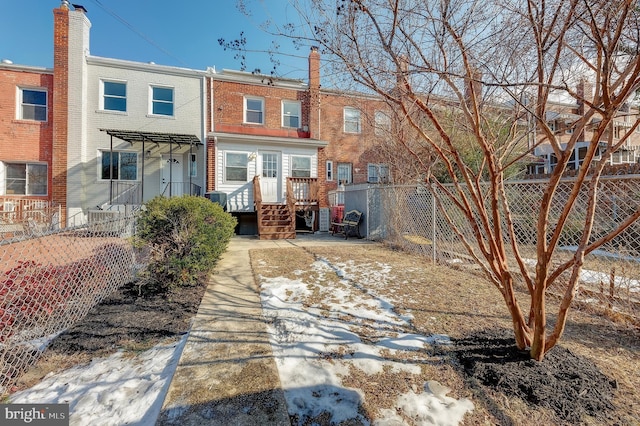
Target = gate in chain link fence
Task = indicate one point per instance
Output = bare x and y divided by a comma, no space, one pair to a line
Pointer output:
51,279
410,218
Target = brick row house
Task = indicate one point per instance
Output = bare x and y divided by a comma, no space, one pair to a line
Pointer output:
561,117
111,134
96,135
26,163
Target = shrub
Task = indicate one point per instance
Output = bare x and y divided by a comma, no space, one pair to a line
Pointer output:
185,236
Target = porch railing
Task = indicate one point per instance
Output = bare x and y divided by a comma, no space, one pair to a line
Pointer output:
303,190
17,212
177,189
125,193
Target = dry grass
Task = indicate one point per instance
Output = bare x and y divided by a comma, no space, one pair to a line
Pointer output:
456,303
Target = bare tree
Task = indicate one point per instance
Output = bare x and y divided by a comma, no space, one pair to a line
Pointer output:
484,72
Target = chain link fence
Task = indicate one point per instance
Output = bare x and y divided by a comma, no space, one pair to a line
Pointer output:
52,278
409,217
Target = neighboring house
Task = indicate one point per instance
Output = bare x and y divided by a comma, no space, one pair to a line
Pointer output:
297,139
357,126
129,131
561,118
26,138
111,133
261,152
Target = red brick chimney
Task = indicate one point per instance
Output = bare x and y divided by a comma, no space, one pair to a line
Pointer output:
314,93
60,106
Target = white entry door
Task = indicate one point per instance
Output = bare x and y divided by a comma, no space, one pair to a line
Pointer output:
269,164
171,174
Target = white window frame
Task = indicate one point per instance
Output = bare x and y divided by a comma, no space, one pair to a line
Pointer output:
101,153
298,115
21,104
152,101
226,154
27,186
617,131
329,170
341,171
352,117
246,110
307,157
375,173
382,123
103,96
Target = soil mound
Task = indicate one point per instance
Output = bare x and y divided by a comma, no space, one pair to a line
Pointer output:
569,385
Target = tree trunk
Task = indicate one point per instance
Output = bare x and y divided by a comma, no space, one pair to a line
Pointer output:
538,347
520,328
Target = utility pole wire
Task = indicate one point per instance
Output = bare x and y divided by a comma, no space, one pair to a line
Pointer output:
137,32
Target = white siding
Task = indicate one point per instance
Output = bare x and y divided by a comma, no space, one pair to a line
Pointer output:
187,119
240,196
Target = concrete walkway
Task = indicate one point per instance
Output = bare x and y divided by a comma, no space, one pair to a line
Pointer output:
227,374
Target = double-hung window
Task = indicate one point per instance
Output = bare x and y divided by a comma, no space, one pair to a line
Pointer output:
162,101
236,165
344,173
119,165
114,96
377,173
382,123
291,114
300,166
25,178
254,110
33,104
351,120
329,168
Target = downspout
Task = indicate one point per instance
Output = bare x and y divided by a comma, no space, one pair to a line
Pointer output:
144,156
189,168
110,169
170,166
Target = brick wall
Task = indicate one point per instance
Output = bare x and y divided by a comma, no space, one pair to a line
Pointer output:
24,140
229,109
359,149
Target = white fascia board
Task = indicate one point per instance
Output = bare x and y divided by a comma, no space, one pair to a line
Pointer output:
26,68
258,79
143,66
267,140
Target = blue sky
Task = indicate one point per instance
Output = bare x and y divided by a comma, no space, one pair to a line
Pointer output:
178,33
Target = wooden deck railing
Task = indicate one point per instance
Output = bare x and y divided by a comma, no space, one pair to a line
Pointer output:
304,191
21,210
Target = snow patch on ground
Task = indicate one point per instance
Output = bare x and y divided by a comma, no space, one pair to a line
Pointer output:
315,349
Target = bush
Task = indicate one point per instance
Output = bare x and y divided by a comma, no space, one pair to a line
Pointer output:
185,236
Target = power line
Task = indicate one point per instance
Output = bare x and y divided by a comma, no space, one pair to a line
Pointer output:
138,33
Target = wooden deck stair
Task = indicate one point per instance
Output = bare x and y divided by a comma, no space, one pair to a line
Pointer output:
276,222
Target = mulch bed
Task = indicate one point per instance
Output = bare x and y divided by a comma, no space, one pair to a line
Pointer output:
563,382
125,317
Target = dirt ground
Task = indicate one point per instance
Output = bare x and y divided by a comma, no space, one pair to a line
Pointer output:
124,321
592,378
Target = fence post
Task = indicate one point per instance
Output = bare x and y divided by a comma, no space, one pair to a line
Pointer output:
433,226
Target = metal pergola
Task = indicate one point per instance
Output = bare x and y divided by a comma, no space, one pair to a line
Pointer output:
133,136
